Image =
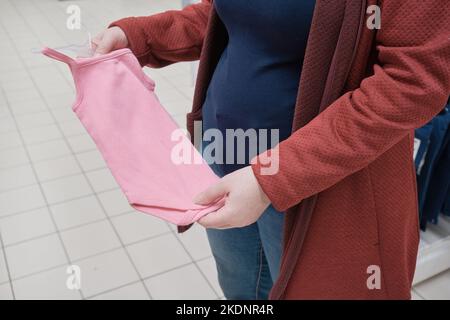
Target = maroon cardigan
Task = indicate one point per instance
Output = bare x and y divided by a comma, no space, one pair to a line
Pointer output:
346,175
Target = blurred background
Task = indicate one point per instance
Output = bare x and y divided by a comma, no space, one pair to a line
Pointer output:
60,206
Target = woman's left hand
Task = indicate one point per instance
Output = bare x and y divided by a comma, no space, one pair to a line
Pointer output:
244,204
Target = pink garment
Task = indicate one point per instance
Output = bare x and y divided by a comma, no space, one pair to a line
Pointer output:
118,107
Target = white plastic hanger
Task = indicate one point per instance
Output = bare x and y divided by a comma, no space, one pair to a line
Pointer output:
84,50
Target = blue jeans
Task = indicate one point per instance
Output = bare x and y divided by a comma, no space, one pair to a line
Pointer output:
248,259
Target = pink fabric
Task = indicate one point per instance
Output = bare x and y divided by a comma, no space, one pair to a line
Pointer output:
118,107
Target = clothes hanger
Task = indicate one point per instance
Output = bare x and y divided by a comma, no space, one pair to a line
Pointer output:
84,50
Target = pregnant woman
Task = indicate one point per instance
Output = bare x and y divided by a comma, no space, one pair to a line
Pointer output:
344,83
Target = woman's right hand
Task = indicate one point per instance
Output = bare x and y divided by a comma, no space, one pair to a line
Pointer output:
109,40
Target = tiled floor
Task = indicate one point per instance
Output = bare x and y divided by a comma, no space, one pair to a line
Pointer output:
59,205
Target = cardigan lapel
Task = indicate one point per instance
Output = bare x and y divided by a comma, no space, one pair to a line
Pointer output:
332,46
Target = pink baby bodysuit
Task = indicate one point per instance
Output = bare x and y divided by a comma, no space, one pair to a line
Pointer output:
118,107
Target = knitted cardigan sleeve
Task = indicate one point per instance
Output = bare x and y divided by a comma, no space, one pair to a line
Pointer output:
172,36
410,85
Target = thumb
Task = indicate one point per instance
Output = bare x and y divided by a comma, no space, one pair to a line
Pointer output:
105,45
211,194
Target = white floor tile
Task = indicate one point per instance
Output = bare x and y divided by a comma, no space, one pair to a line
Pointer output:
48,285
183,79
7,124
4,111
54,88
34,256
90,240
101,180
81,143
208,267
169,95
114,202
66,188
12,76
64,100
13,157
12,201
72,127
33,63
24,226
5,292
18,85
134,291
196,242
77,212
33,120
187,91
9,140
57,168
41,134
48,150
175,108
16,177
46,75
3,269
63,114
23,95
180,120
156,76
415,296
183,283
436,288
158,255
137,226
175,70
91,160
105,272
27,106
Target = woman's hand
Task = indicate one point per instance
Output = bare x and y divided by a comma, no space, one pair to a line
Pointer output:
109,40
244,204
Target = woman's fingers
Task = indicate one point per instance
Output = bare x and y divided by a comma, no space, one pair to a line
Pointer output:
97,39
111,39
217,220
211,194
106,44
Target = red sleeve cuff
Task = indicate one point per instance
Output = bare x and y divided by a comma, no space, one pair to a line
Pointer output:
266,170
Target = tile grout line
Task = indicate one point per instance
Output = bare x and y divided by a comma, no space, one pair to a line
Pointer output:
28,154
157,274
41,181
34,144
103,253
49,159
417,293
194,261
57,202
45,199
82,226
178,90
5,258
